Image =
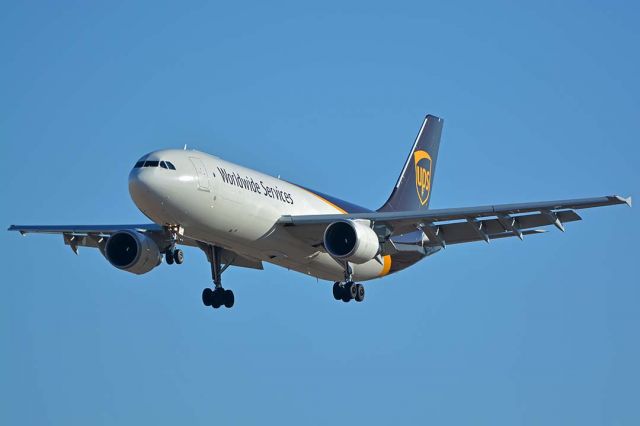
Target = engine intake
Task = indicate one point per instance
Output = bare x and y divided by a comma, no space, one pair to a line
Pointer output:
133,252
351,240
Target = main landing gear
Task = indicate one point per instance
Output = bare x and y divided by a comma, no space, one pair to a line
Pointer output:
348,290
217,296
174,255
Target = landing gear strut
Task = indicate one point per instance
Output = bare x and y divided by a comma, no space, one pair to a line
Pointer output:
217,296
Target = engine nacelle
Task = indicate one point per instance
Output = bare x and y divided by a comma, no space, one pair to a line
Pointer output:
132,251
351,240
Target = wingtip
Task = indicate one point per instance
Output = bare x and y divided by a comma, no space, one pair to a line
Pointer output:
16,228
624,200
434,117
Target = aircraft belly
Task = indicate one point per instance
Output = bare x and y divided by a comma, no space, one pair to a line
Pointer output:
325,267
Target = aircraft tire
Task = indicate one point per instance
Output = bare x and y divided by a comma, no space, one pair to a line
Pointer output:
178,256
168,257
207,294
229,298
352,290
218,297
337,291
359,292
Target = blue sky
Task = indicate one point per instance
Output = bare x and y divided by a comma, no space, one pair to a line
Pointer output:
540,101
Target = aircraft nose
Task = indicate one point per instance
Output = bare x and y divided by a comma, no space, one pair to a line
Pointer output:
159,189
144,187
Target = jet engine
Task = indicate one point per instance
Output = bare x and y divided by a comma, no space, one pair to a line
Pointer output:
132,251
351,240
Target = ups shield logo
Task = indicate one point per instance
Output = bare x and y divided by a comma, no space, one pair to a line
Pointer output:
422,161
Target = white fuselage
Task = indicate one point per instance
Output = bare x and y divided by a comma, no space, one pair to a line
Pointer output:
224,204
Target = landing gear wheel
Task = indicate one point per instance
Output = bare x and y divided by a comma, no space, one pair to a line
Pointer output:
168,257
216,299
229,298
337,291
207,295
352,290
178,256
346,292
349,291
359,292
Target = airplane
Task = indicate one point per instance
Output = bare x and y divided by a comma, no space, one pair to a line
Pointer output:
240,217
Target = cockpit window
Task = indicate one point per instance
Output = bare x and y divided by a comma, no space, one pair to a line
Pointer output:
163,164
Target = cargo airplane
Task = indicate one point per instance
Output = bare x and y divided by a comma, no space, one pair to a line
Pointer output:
240,217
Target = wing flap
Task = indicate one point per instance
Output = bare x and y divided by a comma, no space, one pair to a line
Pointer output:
490,229
88,240
470,238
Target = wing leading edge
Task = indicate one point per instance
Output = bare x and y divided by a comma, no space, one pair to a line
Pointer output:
84,229
457,225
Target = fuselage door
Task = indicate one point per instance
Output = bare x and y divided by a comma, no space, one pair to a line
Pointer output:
201,171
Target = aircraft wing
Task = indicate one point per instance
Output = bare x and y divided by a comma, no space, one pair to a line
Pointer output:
456,225
90,235
96,235
82,229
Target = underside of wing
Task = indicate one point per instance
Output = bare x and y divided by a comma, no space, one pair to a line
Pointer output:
96,236
453,226
92,235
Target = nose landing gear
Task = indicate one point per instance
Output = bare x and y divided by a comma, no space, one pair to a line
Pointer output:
172,254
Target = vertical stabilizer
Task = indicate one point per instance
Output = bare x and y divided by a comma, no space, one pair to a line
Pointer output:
413,189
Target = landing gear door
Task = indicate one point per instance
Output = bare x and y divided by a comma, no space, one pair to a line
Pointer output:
201,171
